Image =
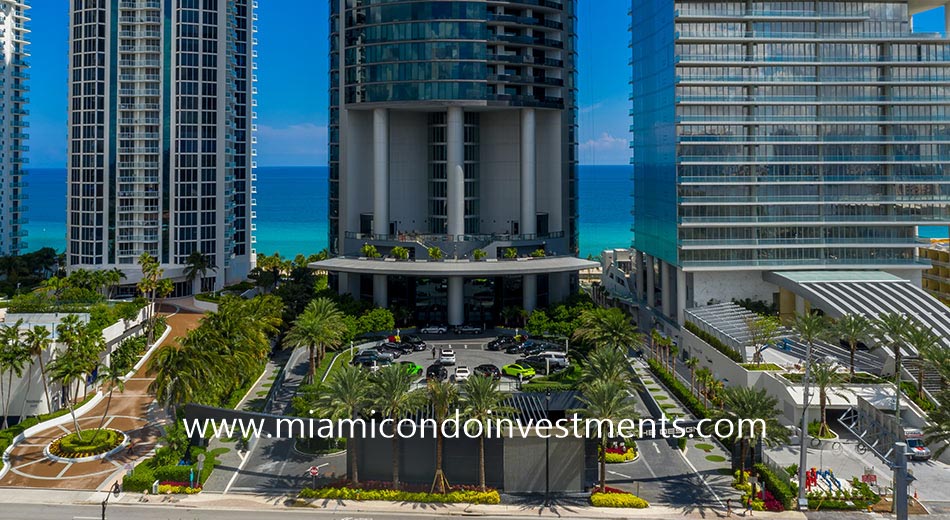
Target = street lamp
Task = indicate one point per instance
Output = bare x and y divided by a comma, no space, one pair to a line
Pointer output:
547,450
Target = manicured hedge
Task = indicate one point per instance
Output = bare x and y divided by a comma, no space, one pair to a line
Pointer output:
679,390
165,489
714,342
7,435
71,446
777,485
391,495
618,500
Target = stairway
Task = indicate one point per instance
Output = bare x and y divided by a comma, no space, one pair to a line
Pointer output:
932,379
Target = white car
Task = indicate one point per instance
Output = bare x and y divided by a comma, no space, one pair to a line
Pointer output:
434,329
446,357
461,374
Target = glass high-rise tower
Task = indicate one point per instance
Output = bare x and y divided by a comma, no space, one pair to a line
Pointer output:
13,124
160,140
453,143
803,135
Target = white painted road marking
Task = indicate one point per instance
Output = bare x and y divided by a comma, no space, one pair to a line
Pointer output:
619,474
655,447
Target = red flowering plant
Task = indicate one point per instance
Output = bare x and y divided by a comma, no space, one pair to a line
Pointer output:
607,489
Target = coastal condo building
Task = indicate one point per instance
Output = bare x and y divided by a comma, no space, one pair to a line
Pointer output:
453,155
785,152
161,136
13,125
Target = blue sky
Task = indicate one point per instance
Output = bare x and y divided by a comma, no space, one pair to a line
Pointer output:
292,100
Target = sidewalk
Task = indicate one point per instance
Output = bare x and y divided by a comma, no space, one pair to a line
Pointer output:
133,411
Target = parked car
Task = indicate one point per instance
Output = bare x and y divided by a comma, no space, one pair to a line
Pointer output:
370,355
532,348
468,329
436,372
557,359
500,343
915,445
411,367
404,348
515,348
514,370
487,370
389,348
416,342
375,365
434,329
446,357
544,364
462,373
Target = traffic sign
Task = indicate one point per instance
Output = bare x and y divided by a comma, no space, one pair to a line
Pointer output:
314,471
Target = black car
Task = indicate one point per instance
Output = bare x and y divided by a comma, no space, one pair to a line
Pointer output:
531,348
487,371
390,348
500,342
437,372
363,357
538,363
515,348
405,348
415,341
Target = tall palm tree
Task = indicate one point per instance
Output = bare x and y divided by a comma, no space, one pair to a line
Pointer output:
482,401
443,395
607,327
318,328
148,286
182,371
703,377
854,329
37,341
826,379
891,330
938,431
606,400
346,394
108,376
68,368
392,395
13,359
196,266
749,404
691,364
607,363
163,289
928,346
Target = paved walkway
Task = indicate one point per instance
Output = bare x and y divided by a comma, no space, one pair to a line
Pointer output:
133,411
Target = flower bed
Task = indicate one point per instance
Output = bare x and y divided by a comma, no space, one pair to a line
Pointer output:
72,447
613,497
178,488
619,455
374,490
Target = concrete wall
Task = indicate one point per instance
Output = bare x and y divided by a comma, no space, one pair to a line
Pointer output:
357,189
548,140
725,286
408,170
500,184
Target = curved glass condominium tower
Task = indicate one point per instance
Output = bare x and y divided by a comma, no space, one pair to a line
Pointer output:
453,142
804,135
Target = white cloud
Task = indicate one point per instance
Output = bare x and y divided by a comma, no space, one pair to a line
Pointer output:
295,145
606,149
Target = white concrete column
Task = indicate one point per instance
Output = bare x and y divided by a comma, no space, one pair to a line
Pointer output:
651,283
681,303
456,300
529,288
666,292
529,181
638,275
381,171
455,170
799,305
380,290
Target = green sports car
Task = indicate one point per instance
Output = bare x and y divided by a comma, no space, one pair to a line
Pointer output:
411,367
515,370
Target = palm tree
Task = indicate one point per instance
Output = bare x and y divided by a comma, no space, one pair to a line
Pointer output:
607,327
112,378
68,368
691,364
318,328
345,394
938,431
13,359
928,346
182,371
482,401
443,395
606,364
606,400
751,405
393,396
826,378
163,289
703,377
854,329
196,265
148,286
891,329
37,341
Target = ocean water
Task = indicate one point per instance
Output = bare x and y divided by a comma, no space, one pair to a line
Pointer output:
292,209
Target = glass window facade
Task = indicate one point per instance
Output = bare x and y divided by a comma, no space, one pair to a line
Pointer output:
787,133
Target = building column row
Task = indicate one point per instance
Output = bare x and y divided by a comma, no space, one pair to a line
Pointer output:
529,212
380,171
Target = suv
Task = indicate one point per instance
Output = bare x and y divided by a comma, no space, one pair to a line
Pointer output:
436,372
415,341
446,356
462,373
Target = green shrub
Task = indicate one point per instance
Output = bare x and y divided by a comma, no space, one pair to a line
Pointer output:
166,489
714,342
618,500
511,253
435,253
618,458
760,366
778,485
400,253
72,446
139,479
544,386
391,495
128,353
679,390
479,254
369,251
538,253
682,443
